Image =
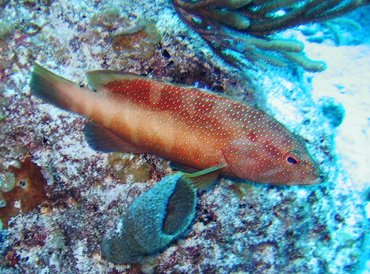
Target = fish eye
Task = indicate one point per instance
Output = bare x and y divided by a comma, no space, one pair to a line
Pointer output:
22,183
291,158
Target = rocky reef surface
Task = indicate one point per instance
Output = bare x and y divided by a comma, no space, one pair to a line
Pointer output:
239,227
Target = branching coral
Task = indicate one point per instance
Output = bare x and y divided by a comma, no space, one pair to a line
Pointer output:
240,31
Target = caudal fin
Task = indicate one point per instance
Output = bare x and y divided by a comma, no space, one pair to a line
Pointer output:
50,87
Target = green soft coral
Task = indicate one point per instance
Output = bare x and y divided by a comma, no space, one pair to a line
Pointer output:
243,31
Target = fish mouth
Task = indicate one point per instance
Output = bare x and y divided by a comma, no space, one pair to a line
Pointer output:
317,180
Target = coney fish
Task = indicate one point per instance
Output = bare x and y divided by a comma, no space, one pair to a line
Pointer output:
189,126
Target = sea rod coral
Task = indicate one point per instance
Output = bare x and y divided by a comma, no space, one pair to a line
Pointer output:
242,31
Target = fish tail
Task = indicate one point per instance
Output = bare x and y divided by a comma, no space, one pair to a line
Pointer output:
50,87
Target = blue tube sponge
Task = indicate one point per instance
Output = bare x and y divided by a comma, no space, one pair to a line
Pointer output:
153,221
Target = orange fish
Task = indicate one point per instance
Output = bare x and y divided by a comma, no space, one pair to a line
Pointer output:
189,126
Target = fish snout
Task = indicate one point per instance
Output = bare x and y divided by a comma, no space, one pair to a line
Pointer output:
320,178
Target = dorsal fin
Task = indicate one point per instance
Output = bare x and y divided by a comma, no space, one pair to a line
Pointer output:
99,78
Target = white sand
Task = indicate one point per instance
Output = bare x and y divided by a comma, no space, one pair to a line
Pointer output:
347,80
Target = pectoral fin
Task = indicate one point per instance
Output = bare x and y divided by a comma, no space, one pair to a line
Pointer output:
102,139
183,168
203,179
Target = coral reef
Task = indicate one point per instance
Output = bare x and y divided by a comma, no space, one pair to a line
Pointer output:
269,229
240,31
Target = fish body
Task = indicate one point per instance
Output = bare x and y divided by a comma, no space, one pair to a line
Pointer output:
186,125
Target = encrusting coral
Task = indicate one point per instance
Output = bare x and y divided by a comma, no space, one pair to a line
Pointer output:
240,31
25,193
139,41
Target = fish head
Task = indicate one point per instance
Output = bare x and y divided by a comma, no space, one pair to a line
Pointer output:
278,161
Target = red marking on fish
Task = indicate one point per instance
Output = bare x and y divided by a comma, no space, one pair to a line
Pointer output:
186,125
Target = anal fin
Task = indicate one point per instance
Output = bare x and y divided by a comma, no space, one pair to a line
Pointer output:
102,139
